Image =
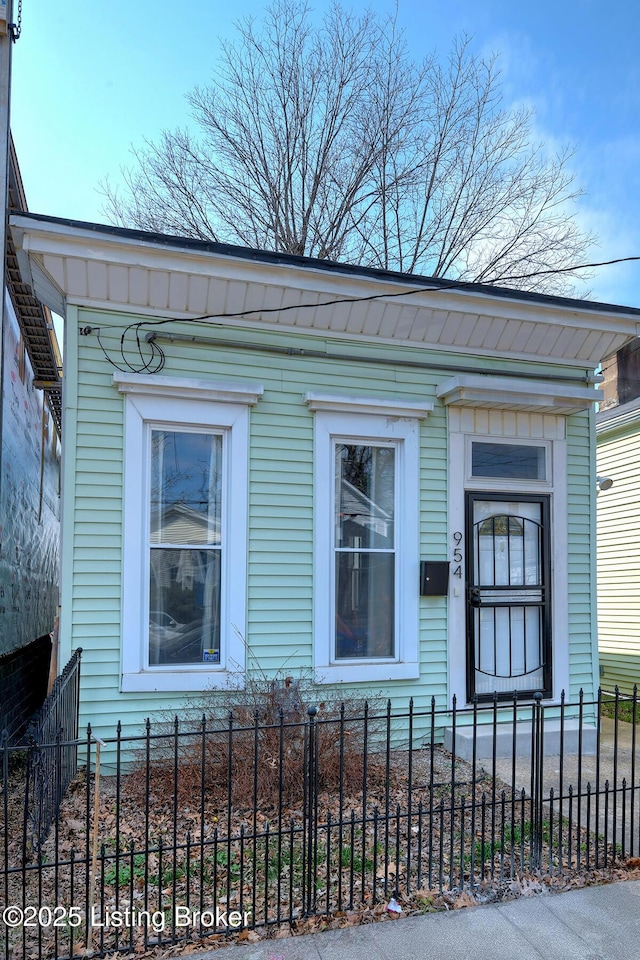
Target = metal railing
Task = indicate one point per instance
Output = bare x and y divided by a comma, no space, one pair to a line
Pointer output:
190,830
51,754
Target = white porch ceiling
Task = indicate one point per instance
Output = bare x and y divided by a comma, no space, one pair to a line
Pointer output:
104,268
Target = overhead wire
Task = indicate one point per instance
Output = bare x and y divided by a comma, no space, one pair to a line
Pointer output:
154,363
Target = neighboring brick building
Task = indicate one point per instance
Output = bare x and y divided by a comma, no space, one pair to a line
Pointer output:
621,376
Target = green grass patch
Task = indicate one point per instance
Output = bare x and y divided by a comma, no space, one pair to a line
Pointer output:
122,876
625,710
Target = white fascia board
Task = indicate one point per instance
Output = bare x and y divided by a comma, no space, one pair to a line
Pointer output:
44,287
490,391
41,238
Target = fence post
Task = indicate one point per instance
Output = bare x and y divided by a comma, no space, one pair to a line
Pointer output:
634,719
312,800
32,818
537,782
94,843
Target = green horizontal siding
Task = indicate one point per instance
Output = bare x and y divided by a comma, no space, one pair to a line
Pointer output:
580,558
280,538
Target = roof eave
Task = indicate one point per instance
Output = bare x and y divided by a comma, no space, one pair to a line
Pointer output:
417,309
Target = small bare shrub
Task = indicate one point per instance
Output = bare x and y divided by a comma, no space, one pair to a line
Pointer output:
251,748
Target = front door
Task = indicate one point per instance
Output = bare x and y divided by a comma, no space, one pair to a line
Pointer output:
508,596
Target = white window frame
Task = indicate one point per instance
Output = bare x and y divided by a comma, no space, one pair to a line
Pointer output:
546,483
169,403
377,428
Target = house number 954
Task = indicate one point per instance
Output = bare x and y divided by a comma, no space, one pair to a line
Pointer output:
457,554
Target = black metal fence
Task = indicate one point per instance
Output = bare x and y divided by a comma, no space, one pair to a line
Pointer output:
188,831
50,745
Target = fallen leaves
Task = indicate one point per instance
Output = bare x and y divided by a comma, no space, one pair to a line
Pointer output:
231,874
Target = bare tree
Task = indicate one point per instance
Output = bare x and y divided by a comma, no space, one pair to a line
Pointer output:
330,141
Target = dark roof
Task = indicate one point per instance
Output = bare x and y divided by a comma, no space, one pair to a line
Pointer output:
35,320
288,259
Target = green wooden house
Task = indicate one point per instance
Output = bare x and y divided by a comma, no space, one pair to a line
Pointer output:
279,464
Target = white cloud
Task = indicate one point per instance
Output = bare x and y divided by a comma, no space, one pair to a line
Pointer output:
607,168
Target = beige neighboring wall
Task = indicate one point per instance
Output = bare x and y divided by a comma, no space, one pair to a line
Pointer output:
618,553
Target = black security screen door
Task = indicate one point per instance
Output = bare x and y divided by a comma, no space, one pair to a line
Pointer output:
508,596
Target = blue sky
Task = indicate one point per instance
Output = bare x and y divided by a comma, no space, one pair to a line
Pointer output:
90,79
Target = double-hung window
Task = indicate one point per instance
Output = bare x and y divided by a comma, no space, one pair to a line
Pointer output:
185,532
186,546
366,579
364,546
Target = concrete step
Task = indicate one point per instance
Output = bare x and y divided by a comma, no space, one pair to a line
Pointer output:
504,739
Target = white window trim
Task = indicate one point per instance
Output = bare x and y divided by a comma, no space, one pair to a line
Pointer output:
167,403
513,484
375,429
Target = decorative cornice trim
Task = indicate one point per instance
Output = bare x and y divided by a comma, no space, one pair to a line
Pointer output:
533,396
179,387
381,406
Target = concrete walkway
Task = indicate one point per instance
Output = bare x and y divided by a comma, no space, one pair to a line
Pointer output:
596,923
614,766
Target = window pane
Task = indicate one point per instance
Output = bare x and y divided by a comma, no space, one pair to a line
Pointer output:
365,496
508,546
508,461
186,487
365,606
184,606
